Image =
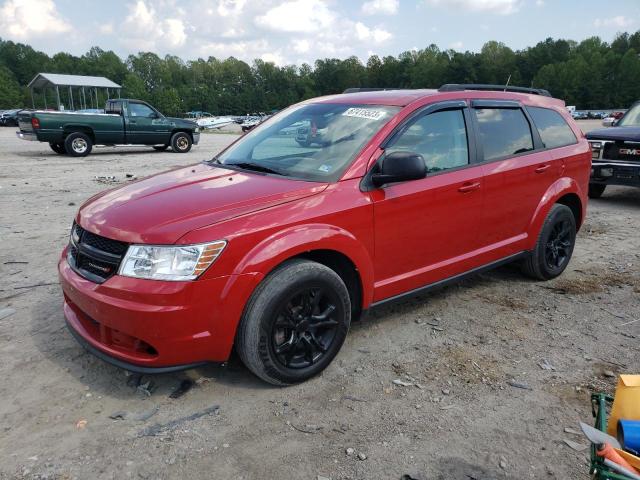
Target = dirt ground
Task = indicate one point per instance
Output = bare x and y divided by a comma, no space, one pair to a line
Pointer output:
461,350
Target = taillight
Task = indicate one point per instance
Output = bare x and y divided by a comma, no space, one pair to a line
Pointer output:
35,123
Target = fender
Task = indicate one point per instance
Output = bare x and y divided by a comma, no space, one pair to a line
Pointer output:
73,127
293,241
556,190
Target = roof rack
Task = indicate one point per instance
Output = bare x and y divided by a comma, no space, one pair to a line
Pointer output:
368,89
456,87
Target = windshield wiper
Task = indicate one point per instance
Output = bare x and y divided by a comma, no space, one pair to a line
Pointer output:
255,167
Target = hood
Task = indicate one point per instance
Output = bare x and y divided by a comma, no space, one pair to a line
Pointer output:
631,134
162,208
181,122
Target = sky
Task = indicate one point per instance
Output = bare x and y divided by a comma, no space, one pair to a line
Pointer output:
298,31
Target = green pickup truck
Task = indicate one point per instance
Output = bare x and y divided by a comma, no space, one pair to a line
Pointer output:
125,122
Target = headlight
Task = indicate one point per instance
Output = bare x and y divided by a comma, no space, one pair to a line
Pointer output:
197,130
176,262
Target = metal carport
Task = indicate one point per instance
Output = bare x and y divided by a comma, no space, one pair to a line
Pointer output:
64,85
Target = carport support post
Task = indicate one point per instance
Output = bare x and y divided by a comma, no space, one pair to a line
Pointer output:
33,100
58,96
44,94
71,98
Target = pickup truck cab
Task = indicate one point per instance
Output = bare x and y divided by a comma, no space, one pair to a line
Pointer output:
616,153
125,122
274,247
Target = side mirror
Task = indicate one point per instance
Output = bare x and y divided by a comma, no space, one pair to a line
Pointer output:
400,167
153,115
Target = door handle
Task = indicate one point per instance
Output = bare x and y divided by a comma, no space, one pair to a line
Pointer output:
543,168
469,187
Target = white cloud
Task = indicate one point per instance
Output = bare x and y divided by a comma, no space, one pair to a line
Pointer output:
501,7
106,28
618,21
145,30
26,19
376,35
301,16
301,45
375,7
456,45
274,57
539,3
230,7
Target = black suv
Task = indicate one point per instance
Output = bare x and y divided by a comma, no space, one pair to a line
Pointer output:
616,153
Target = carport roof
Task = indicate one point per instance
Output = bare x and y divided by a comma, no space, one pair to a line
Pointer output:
43,80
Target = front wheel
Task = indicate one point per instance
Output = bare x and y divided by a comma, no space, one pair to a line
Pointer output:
295,323
181,142
78,144
555,244
596,190
58,148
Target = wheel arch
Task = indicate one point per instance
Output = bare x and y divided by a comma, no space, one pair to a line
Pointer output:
73,128
565,191
331,246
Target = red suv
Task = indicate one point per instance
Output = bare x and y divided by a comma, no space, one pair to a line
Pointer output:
274,247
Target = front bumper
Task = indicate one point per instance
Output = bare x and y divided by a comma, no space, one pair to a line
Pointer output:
196,138
26,136
614,172
154,326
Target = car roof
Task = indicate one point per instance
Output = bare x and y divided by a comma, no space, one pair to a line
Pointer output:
403,97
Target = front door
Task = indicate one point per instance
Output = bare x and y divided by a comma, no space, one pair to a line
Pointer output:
427,230
146,126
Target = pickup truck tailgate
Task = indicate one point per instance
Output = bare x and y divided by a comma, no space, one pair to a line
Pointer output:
24,122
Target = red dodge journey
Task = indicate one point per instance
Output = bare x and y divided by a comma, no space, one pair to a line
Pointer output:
331,207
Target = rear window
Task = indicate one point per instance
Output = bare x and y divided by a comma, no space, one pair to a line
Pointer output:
553,129
504,132
114,107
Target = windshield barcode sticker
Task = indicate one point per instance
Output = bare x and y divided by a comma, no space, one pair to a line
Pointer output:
365,113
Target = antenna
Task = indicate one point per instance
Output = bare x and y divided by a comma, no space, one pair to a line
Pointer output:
507,84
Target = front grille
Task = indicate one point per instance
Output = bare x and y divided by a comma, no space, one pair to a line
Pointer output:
622,151
94,257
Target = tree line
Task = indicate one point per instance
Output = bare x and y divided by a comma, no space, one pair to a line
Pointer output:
591,74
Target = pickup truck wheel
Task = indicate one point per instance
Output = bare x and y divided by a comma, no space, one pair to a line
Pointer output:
181,142
295,323
160,148
555,244
596,190
78,144
58,148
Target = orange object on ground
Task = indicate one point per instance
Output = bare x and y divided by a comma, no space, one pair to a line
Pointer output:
607,451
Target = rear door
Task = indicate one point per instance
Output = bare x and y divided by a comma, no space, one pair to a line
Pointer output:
427,230
517,172
145,125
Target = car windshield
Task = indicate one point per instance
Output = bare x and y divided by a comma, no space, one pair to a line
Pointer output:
631,118
314,142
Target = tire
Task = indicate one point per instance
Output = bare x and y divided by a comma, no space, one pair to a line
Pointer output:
181,142
555,244
58,148
78,144
284,350
160,148
596,190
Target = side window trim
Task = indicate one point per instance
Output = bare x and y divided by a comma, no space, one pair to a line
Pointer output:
504,104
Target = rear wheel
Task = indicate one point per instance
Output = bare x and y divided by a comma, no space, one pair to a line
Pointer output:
596,190
295,323
78,144
181,142
58,148
555,244
160,148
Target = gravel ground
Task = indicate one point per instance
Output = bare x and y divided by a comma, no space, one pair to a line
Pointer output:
461,355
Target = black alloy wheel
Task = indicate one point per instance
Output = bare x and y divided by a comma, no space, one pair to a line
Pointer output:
305,328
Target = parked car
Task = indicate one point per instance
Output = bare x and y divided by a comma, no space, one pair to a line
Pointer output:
616,153
579,115
275,248
125,122
611,119
9,118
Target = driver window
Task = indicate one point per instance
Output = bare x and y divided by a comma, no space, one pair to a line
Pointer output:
140,110
440,137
